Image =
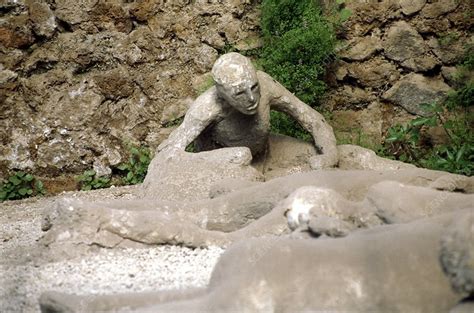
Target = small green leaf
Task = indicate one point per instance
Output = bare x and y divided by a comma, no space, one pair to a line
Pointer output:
89,173
420,121
30,192
460,153
392,139
23,191
14,180
20,174
39,184
449,124
345,14
123,167
28,177
450,155
144,158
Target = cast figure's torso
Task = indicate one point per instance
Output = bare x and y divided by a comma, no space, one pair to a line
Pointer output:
234,129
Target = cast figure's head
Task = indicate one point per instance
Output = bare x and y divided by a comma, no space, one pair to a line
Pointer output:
237,83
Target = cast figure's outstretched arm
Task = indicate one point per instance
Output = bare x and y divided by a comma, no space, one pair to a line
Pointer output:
284,101
202,112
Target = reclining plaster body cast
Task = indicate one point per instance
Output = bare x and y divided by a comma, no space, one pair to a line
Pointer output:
390,268
236,113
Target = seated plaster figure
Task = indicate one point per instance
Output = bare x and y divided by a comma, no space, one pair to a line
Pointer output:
236,112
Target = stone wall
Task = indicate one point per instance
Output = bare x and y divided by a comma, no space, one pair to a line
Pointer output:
397,55
79,79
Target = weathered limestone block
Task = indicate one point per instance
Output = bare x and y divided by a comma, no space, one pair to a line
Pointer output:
350,97
403,44
438,8
42,18
362,127
440,25
115,83
375,73
205,58
415,89
449,74
362,48
410,7
74,12
15,32
449,50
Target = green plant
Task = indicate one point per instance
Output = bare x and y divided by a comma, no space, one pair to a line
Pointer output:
135,169
281,123
89,181
340,12
405,142
455,116
20,185
299,41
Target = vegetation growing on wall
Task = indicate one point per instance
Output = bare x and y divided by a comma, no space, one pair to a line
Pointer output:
89,180
135,169
455,116
20,185
299,42
131,172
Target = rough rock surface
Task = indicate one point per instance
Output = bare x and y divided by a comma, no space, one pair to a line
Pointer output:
386,41
414,89
405,45
78,80
410,7
82,79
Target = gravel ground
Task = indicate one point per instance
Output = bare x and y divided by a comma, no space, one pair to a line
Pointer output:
25,272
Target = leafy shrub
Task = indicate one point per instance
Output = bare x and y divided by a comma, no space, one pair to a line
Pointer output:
135,169
20,185
89,181
280,123
298,43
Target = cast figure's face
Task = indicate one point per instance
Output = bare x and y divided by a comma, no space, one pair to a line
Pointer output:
237,82
243,97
